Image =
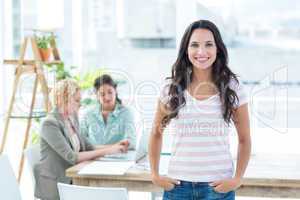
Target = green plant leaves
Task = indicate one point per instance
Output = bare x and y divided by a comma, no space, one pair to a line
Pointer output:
43,42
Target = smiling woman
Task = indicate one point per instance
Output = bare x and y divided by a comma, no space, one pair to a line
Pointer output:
202,50
203,97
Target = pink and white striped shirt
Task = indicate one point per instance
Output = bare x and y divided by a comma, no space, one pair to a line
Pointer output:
201,150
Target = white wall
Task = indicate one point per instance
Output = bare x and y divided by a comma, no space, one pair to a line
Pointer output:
1,58
148,19
185,14
6,72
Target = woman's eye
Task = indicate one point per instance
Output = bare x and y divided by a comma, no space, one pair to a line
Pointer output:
194,45
209,45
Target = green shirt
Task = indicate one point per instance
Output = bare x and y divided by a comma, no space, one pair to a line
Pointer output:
119,125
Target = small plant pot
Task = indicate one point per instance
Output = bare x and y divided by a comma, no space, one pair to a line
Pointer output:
45,54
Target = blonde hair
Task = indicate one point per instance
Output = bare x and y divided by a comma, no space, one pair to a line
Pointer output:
64,90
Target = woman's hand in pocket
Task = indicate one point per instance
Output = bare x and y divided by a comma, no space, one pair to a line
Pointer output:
165,182
227,185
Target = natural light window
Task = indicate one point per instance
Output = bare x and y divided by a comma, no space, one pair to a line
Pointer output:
50,14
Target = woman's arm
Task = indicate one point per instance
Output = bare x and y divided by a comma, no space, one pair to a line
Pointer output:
242,125
155,149
89,155
155,141
52,134
124,142
89,146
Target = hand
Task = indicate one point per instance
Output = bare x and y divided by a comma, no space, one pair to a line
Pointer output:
224,186
117,148
124,143
165,182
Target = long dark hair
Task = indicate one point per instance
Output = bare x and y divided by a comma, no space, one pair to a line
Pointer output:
106,79
182,71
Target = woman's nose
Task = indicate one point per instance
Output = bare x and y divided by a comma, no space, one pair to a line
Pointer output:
200,50
106,98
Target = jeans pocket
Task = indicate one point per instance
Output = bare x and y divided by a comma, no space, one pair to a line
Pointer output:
179,192
214,195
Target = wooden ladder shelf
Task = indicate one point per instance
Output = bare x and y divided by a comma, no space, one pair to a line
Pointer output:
35,67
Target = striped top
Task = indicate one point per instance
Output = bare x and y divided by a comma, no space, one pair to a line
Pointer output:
201,150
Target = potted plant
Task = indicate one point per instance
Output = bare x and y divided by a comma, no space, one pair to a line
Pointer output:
43,43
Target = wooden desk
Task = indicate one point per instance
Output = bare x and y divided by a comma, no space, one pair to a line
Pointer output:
266,176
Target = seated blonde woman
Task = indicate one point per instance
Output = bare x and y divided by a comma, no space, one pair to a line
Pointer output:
61,144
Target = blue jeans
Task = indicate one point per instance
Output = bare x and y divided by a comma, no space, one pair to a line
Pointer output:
196,191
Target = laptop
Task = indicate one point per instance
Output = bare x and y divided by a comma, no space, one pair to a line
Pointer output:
131,155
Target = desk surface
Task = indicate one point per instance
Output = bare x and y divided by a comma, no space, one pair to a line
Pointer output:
264,171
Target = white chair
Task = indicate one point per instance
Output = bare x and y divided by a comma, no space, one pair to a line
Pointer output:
75,192
32,155
9,188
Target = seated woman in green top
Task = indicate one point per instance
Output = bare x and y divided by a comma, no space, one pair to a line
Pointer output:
108,122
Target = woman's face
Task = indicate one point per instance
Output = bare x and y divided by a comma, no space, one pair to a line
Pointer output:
72,106
202,50
106,94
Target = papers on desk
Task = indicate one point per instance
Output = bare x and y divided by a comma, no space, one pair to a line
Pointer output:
106,168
